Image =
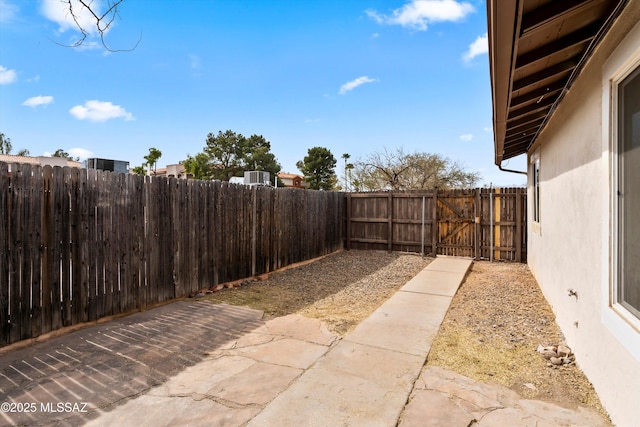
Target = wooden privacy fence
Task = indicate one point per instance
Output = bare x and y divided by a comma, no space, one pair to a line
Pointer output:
481,223
77,245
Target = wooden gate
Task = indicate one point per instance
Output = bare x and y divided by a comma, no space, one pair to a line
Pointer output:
456,213
480,223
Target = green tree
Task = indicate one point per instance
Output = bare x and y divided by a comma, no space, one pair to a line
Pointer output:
397,170
23,152
259,156
5,144
227,154
139,170
197,166
318,167
61,153
152,158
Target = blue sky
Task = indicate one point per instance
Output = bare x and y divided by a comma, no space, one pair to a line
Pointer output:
354,76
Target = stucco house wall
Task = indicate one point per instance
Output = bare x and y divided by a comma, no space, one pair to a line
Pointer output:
570,248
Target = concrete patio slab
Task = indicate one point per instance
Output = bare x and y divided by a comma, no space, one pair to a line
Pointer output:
150,410
406,322
444,398
434,282
352,385
366,379
450,264
285,351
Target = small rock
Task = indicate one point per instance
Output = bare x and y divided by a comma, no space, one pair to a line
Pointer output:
555,360
547,352
199,295
567,360
563,350
530,386
209,291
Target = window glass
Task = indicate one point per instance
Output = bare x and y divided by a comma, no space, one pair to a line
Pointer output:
629,193
535,173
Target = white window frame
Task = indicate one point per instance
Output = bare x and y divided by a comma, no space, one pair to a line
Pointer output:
534,161
623,324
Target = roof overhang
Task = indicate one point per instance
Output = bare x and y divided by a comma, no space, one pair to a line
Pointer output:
536,50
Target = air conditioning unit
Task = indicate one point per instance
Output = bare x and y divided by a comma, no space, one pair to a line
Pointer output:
257,178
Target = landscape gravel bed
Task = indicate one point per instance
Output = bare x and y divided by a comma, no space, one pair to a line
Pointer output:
341,289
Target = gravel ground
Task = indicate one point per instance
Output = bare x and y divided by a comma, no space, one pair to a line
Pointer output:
495,322
490,334
341,289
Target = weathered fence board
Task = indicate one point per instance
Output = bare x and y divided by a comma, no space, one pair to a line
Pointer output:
478,223
77,245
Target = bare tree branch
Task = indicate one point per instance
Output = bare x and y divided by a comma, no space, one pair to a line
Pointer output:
103,21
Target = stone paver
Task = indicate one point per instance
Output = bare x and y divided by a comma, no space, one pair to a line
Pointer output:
352,385
445,398
200,364
238,379
366,379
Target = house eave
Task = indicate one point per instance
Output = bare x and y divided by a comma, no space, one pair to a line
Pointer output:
536,50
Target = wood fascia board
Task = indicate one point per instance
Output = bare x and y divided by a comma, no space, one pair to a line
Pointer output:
501,25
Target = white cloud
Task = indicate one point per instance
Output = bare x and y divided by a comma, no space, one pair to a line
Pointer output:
36,101
417,14
82,153
98,111
466,137
58,12
7,76
355,83
478,47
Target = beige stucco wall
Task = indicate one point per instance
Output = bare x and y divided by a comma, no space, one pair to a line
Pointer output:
570,247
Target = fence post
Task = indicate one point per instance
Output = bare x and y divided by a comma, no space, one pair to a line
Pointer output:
390,222
434,224
422,229
518,238
254,214
477,223
348,220
491,224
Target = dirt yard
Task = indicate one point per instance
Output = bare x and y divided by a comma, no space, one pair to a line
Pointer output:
491,332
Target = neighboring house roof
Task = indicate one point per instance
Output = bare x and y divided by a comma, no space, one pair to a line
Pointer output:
293,180
289,176
40,160
8,158
536,50
175,170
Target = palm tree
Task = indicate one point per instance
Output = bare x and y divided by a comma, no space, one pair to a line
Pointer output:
346,156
